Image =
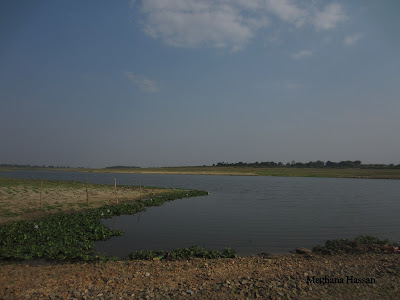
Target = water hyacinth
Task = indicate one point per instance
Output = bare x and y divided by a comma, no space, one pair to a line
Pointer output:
183,253
70,236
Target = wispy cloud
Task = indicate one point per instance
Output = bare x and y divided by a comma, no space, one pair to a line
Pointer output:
287,11
142,82
228,24
353,39
301,54
329,17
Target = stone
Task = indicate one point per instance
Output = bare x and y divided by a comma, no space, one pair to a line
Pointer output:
302,250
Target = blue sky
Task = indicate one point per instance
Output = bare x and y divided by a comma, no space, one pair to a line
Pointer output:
187,82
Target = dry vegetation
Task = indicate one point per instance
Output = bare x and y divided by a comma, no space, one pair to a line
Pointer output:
20,198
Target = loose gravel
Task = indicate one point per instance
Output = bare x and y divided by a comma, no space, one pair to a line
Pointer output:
295,276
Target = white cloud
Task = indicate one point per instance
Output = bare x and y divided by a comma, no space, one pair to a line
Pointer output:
228,23
301,54
353,39
195,23
329,17
142,82
287,11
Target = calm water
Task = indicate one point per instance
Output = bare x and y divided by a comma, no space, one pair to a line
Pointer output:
250,214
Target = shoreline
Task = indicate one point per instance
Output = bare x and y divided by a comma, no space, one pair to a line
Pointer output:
248,174
294,276
351,173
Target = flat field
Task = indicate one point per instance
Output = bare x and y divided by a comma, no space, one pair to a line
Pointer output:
20,198
253,171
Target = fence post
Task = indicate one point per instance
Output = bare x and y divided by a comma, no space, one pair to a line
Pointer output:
115,186
87,193
41,190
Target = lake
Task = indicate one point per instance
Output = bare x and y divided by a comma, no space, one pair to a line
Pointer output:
251,214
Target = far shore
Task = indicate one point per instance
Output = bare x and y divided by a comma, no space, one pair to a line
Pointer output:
364,173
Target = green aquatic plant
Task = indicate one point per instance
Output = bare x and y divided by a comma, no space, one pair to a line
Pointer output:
71,236
360,244
146,255
183,253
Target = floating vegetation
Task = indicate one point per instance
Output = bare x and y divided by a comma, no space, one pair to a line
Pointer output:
360,244
71,236
184,253
147,255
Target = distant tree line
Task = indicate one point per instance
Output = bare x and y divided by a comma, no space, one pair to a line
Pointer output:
311,164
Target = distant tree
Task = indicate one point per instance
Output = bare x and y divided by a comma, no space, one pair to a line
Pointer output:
330,164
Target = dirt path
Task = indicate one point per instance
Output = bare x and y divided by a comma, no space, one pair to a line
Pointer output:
280,277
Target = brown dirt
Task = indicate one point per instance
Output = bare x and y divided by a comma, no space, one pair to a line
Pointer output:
279,277
22,202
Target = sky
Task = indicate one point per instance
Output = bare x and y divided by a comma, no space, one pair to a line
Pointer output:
154,83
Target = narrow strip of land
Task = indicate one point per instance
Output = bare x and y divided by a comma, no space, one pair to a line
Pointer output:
368,173
260,171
